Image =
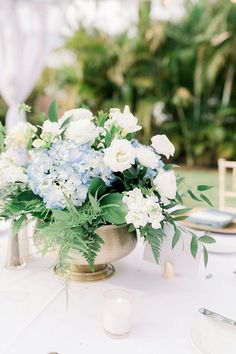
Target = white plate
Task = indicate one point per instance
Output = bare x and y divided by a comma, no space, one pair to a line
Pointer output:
224,244
211,337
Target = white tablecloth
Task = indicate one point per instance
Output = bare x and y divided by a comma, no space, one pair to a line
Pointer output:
164,310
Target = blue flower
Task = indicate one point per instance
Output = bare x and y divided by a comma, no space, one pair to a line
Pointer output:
66,169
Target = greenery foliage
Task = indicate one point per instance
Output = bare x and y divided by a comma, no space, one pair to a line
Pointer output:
189,66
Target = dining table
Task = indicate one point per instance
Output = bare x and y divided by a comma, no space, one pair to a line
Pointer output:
41,313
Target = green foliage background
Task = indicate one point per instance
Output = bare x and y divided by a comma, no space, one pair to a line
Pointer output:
189,66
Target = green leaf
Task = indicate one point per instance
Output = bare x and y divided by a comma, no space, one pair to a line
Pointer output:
110,135
194,245
2,137
180,211
207,239
97,187
66,122
180,218
26,196
193,196
176,237
155,241
113,209
52,112
179,198
205,199
169,167
94,203
203,187
205,256
131,228
18,224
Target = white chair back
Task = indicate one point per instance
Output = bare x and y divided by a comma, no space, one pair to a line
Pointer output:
224,192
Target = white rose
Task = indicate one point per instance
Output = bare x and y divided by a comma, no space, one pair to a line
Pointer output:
165,184
81,131
21,135
163,146
126,121
146,157
120,155
77,114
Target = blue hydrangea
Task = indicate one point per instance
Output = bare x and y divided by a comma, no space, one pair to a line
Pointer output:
159,165
66,169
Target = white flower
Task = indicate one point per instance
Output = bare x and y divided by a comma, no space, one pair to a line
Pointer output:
163,146
165,184
120,155
155,220
137,218
126,121
81,131
11,173
16,155
51,127
77,114
146,157
38,143
21,135
133,199
154,212
50,131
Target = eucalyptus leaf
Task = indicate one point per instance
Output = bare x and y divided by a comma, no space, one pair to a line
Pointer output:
176,237
205,199
52,112
204,187
207,239
194,245
205,256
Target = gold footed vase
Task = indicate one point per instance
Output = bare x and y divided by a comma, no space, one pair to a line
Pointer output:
118,243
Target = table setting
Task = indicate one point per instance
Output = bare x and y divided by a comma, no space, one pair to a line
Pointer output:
96,251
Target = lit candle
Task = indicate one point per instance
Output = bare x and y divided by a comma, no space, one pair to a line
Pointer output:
118,312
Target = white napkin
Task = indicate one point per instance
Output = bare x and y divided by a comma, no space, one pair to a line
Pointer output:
22,300
212,337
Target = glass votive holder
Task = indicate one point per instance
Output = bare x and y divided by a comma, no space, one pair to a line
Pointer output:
117,316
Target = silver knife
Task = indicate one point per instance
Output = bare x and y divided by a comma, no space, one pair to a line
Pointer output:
217,317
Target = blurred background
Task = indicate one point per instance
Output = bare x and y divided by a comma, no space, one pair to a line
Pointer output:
172,61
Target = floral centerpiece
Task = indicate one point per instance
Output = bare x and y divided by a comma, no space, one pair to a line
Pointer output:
83,171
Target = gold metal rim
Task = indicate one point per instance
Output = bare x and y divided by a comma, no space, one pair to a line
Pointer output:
106,272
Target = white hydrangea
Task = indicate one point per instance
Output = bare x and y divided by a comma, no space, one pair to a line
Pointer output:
126,121
142,210
120,155
17,156
11,173
21,135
